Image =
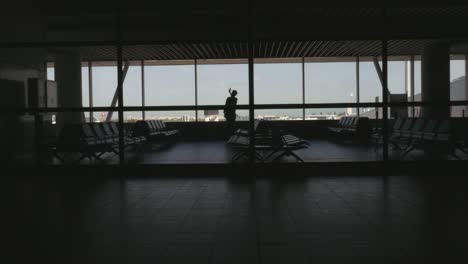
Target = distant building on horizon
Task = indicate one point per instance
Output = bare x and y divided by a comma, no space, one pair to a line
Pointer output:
458,92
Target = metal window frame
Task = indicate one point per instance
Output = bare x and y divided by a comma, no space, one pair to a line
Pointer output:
358,86
303,89
90,90
195,70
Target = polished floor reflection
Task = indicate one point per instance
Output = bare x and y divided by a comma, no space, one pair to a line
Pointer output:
213,152
218,152
396,219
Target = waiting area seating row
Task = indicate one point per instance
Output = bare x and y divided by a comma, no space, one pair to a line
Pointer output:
153,128
431,135
92,140
351,126
267,139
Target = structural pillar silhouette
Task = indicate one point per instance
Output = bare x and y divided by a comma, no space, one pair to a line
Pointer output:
68,78
435,75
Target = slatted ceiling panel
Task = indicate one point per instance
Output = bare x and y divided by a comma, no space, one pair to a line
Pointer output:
334,49
318,45
309,47
183,50
237,48
303,45
179,50
353,46
315,48
220,52
323,47
286,46
289,52
199,53
175,52
263,49
340,47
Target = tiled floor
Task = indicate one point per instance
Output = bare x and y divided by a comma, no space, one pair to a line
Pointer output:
397,219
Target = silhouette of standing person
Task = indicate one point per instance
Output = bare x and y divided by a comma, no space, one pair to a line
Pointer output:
230,110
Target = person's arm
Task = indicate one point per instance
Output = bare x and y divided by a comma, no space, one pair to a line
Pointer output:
230,93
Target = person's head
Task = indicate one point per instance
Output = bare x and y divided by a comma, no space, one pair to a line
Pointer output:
233,93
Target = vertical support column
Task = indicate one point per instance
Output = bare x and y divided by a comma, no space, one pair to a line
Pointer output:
143,99
407,89
90,90
196,89
68,77
406,78
411,85
358,83
466,84
120,80
250,48
303,88
385,99
435,73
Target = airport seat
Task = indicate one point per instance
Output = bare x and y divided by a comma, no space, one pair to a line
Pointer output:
267,139
91,140
288,144
240,141
245,132
153,128
351,127
433,136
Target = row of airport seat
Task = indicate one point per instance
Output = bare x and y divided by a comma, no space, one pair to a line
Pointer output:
267,139
408,134
92,140
351,126
153,128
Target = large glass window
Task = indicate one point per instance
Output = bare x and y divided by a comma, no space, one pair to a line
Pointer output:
370,87
169,84
132,86
278,83
50,72
215,80
85,86
85,91
369,82
457,67
104,83
330,82
132,91
458,85
417,80
397,77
